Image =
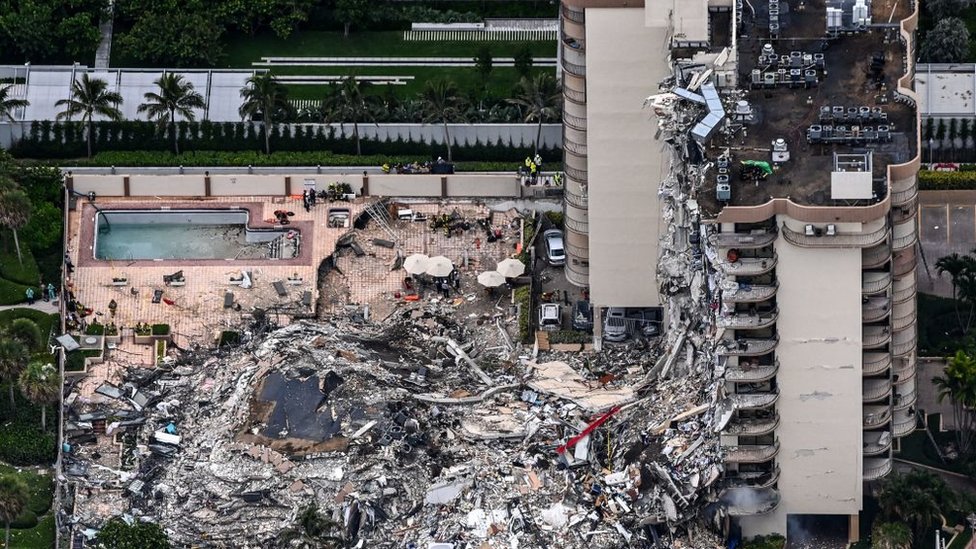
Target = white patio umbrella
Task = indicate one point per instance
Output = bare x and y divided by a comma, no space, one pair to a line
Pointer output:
491,279
416,264
439,266
510,268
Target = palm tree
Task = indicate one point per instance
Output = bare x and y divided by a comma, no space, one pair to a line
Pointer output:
90,96
40,384
890,535
955,265
264,97
311,529
442,104
176,96
538,99
13,359
14,495
15,209
958,384
7,104
349,102
916,499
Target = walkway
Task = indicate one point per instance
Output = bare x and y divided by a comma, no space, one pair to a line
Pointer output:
49,307
391,62
104,52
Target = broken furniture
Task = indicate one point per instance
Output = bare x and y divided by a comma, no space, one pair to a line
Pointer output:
175,279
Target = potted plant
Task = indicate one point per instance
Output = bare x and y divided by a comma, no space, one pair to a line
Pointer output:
112,334
142,334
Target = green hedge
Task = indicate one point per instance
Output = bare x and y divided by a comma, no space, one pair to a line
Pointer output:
13,270
947,181
12,293
21,439
55,140
45,322
523,298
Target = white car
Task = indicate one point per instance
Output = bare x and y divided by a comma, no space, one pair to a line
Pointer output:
550,316
555,251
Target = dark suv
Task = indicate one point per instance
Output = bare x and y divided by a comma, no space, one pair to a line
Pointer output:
582,316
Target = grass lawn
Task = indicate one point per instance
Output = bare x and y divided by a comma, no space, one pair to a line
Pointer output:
37,521
501,81
938,329
14,275
244,50
45,322
39,537
962,540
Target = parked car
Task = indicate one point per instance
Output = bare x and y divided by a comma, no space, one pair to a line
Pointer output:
583,316
621,323
555,251
550,316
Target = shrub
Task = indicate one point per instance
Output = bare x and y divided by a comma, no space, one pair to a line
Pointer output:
95,328
946,181
523,299
24,444
27,332
569,336
556,218
160,329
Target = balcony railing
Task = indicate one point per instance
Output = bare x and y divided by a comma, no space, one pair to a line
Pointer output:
753,401
903,426
875,336
751,453
745,321
751,427
906,198
577,274
876,442
749,293
575,173
582,227
747,266
873,390
575,122
752,479
838,240
906,399
578,16
574,195
902,241
876,468
875,257
579,252
904,370
744,373
875,363
875,283
904,263
575,96
875,416
574,68
742,240
904,316
573,147
741,502
904,289
903,344
875,309
746,347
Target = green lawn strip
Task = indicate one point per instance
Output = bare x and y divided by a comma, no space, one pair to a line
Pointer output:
12,293
938,330
39,537
244,50
501,81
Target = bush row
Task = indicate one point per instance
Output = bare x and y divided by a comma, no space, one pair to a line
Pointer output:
523,299
24,444
946,181
67,140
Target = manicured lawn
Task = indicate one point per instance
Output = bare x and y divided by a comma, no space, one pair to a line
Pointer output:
39,537
45,322
501,81
244,50
38,520
14,274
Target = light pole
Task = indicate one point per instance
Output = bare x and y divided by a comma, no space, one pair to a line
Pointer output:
930,151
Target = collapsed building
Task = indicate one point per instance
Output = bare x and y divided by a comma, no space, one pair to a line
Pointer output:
786,138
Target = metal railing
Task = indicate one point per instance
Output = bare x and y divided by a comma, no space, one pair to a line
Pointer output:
742,240
575,173
877,284
751,453
574,15
579,226
875,468
876,256
902,242
575,96
573,147
904,294
573,68
752,427
875,389
876,419
875,363
875,337
575,122
755,374
839,240
904,427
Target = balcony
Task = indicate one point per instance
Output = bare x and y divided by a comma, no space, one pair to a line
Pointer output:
876,468
904,235
575,194
751,453
905,397
574,43
904,370
903,316
748,293
873,282
573,14
904,263
876,442
904,423
753,401
874,337
573,28
837,240
746,266
747,373
746,347
742,241
875,416
904,289
578,149
873,389
903,342
575,174
905,199
875,309
875,363
751,479
752,427
574,89
577,273
742,502
874,257
576,122
746,321
574,68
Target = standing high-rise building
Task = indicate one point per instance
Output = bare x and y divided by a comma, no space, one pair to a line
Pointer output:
788,129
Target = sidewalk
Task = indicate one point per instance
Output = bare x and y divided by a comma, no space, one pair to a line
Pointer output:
50,307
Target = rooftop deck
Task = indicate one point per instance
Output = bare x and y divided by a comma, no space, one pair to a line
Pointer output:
787,111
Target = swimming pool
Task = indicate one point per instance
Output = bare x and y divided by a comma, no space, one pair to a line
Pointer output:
188,234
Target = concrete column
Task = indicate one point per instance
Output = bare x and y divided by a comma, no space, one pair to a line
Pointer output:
125,186
206,184
597,327
854,528
443,186
365,184
287,185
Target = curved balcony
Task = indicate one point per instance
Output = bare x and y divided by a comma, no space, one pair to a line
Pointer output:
582,227
573,14
745,321
573,55
905,397
903,316
574,89
577,274
876,442
875,282
903,424
573,43
904,289
745,373
904,370
875,416
575,195
575,96
573,28
575,174
839,240
873,390
905,199
747,266
751,479
576,122
904,263
904,235
906,184
746,347
742,241
876,256
574,68
900,214
751,427
753,401
875,363
573,147
741,502
876,468
875,309
751,453
874,337
903,342
748,293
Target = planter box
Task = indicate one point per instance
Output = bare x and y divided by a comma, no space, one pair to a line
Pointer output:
142,339
123,282
572,347
116,339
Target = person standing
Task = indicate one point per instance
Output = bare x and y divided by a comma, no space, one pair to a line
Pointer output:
30,296
52,294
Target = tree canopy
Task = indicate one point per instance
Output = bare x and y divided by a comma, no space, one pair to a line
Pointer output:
49,31
948,42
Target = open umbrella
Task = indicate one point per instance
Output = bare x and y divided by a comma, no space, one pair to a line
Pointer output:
510,268
491,279
415,264
439,266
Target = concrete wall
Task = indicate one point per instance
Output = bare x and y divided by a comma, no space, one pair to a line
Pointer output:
103,185
166,185
819,380
245,185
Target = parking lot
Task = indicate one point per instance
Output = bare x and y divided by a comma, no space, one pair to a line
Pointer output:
947,224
